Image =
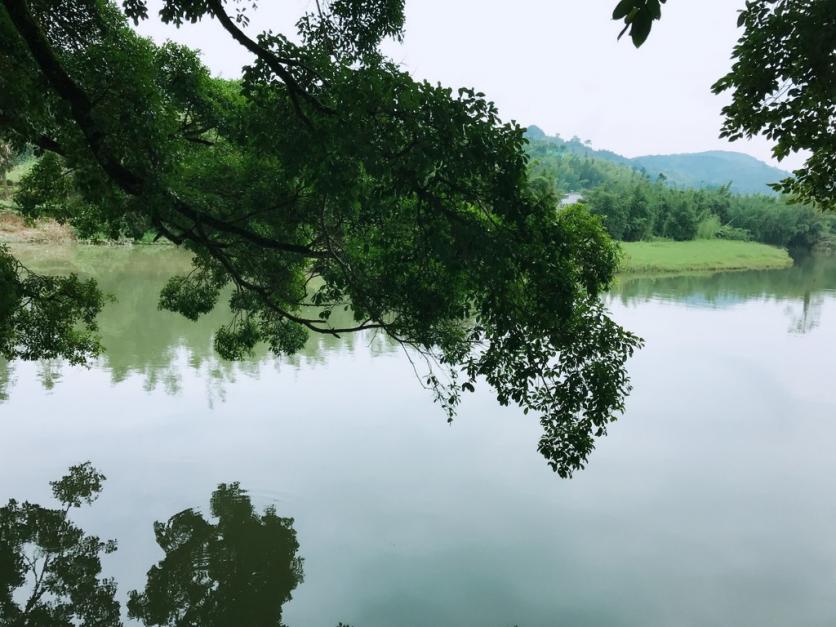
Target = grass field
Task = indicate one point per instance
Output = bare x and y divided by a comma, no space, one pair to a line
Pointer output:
701,255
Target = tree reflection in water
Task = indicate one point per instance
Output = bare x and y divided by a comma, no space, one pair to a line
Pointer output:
237,568
803,289
6,379
52,564
159,346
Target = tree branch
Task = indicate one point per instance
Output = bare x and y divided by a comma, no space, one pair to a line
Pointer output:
264,295
271,60
82,112
80,105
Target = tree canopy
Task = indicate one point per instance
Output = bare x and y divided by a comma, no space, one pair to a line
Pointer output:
783,85
326,178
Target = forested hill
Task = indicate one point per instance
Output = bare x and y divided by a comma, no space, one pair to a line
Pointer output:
714,168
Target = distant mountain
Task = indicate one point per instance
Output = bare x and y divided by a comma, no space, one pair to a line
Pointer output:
713,168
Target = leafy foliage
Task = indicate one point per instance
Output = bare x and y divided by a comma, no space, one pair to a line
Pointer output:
46,317
783,85
326,178
638,16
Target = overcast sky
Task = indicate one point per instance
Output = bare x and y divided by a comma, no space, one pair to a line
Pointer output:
553,63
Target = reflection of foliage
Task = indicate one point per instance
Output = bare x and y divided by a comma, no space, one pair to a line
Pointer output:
6,380
49,373
809,317
238,571
808,276
43,317
804,283
43,548
139,339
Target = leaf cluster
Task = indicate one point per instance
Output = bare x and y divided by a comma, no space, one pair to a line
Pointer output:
47,317
783,86
638,16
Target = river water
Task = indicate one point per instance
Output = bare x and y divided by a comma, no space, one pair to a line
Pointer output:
710,503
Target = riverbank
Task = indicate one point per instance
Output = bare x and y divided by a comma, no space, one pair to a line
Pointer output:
639,257
15,230
701,255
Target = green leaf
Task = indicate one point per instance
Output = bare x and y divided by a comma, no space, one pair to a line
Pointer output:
641,29
623,8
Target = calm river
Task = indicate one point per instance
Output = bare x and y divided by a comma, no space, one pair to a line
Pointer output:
711,502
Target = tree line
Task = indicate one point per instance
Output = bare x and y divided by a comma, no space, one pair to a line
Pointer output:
634,206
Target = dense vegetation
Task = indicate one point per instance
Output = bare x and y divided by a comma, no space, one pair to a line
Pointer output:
635,206
328,179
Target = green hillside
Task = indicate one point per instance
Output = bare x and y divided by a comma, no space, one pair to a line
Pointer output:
714,168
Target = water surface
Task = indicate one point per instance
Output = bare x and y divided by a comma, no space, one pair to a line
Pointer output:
710,502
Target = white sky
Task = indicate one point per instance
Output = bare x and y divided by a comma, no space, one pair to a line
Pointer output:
553,63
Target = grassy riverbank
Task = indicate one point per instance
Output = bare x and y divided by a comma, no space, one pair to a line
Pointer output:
639,257
701,255
15,230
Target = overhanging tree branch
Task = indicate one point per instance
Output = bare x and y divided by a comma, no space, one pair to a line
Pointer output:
271,60
82,111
